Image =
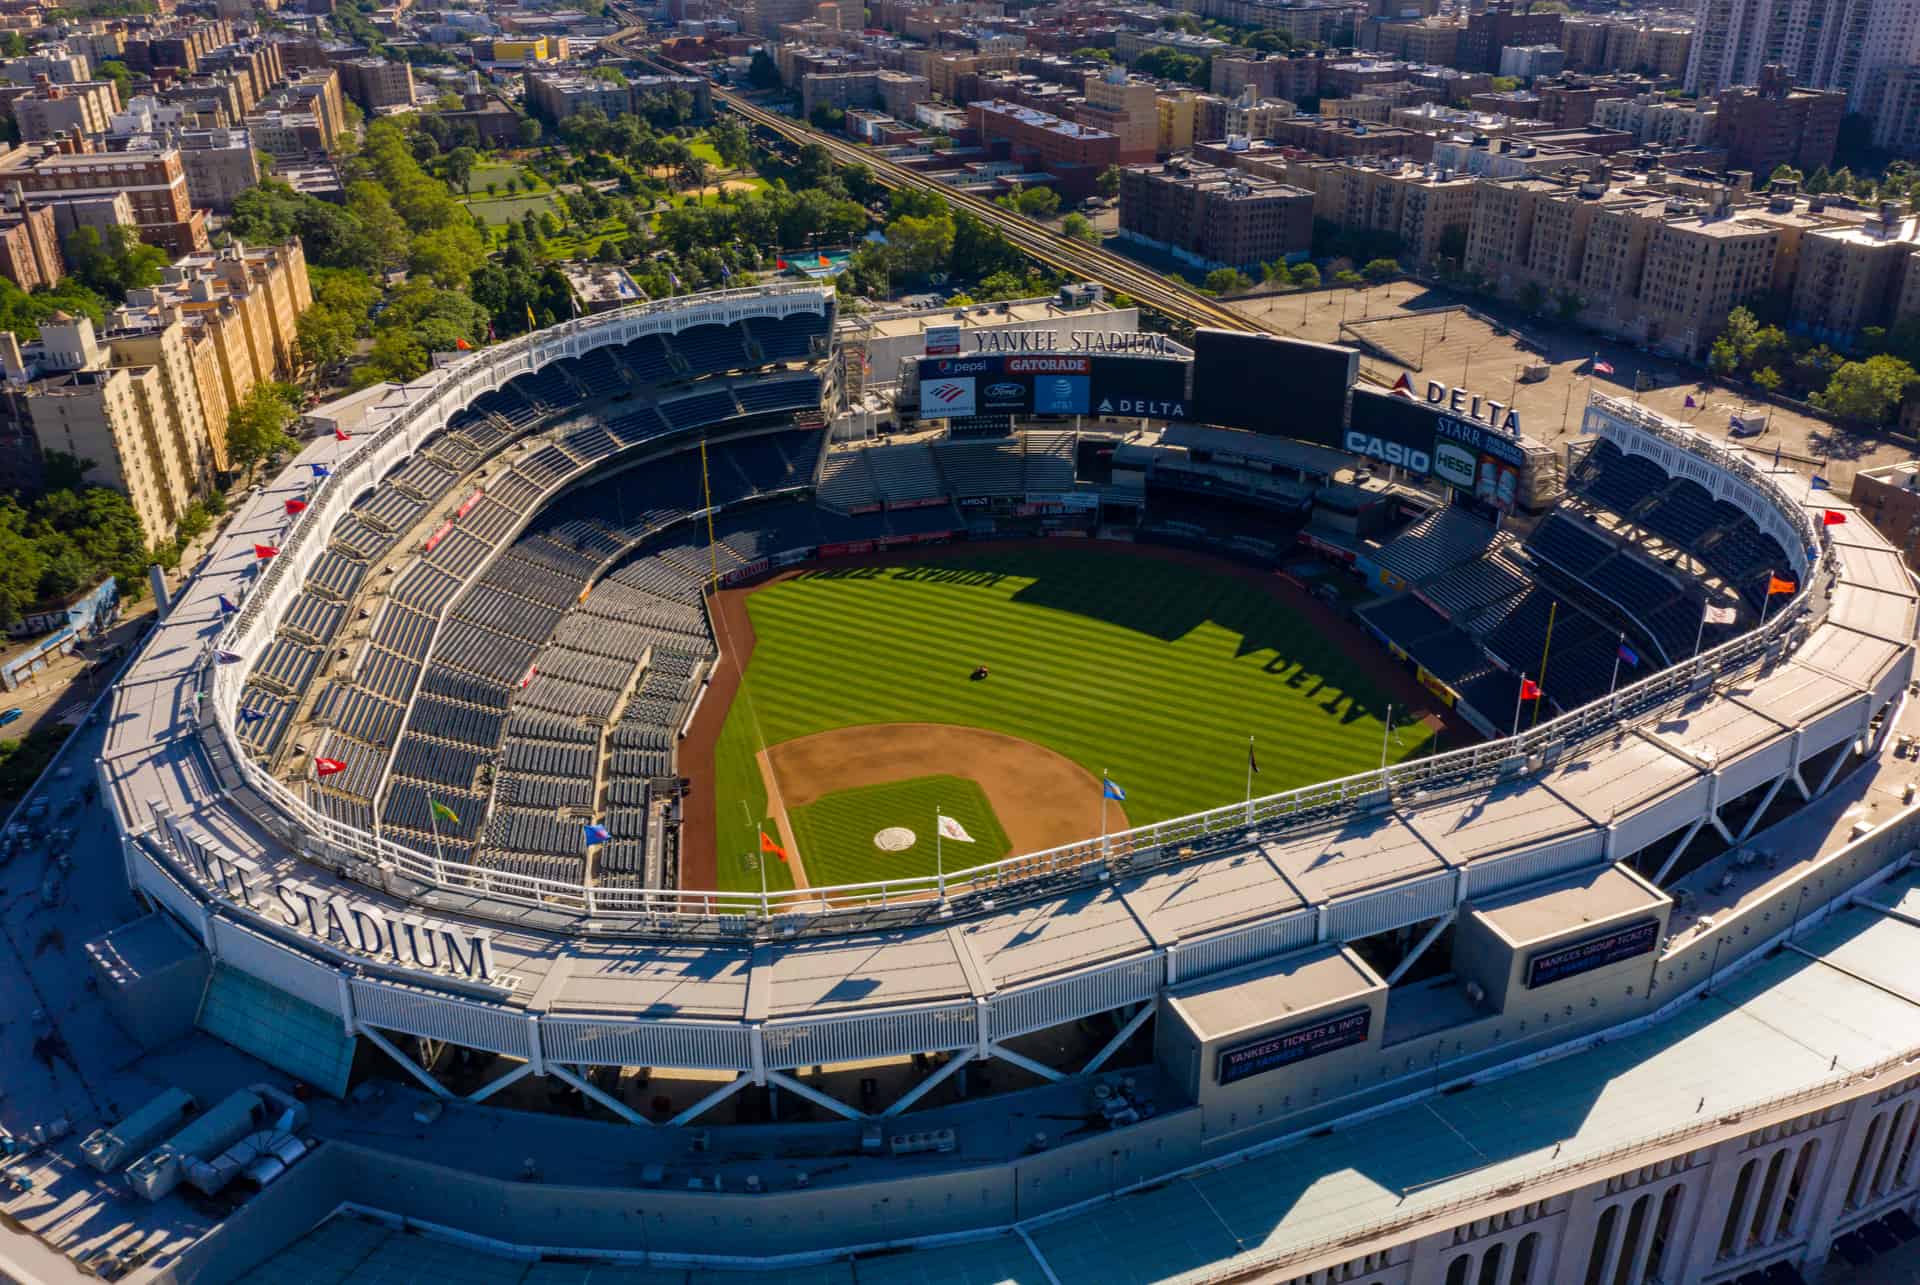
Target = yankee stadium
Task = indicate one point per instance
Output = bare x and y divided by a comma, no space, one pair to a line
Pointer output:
719,790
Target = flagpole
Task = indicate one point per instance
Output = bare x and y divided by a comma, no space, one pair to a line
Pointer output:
1520,696
1767,605
1553,612
1384,734
439,859
1613,685
939,865
1103,784
1701,632
1103,813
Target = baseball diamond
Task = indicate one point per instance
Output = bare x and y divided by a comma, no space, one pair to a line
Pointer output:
632,820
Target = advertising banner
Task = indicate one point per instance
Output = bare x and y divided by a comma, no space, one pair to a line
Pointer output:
1285,387
1589,953
1295,1044
943,341
944,398
1147,387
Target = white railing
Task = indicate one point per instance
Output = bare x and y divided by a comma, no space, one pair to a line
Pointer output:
713,912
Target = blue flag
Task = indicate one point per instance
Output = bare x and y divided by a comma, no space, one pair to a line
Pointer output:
1820,483
228,657
1111,791
320,470
226,606
598,834
1628,654
251,715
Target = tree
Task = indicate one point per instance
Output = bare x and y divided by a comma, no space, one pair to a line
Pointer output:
325,335
763,72
530,130
1167,63
1108,184
257,425
1226,281
1784,174
1306,276
1079,228
1767,378
1869,390
729,139
1037,202
120,263
448,256
459,164
1093,53
921,244
1381,269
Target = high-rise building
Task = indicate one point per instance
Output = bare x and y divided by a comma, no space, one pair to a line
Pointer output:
1845,45
1896,112
54,111
1496,28
1124,106
1214,216
154,183
376,82
1417,203
1773,124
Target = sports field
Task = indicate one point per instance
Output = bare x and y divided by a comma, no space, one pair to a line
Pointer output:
1153,672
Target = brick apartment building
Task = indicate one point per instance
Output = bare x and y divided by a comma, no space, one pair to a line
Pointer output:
1771,124
1214,216
1075,154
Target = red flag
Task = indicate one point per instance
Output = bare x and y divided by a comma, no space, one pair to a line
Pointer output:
1832,517
295,506
528,676
1529,690
461,344
265,551
342,435
780,264
327,767
768,845
1602,368
823,260
1776,585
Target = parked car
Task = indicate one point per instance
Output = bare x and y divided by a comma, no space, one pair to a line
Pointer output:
10,715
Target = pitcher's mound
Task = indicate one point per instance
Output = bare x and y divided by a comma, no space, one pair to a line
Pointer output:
895,838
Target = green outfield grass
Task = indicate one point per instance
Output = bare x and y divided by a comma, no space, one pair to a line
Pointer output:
1153,671
840,827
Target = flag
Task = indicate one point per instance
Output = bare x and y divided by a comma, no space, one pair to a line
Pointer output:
598,834
780,264
531,323
768,845
226,657
952,829
295,506
1253,764
1602,368
1832,517
327,767
1627,654
1820,483
441,812
1720,615
265,551
1691,404
823,260
462,344
528,676
342,435
251,715
226,605
1529,690
1776,585
1108,790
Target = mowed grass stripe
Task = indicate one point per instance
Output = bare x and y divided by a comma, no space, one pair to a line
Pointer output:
835,832
1152,671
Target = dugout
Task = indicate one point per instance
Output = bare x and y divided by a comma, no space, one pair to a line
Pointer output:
1283,1034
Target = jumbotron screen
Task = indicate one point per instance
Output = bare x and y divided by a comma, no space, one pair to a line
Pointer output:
1284,387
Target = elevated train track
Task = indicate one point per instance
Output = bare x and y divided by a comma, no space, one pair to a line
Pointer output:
1054,249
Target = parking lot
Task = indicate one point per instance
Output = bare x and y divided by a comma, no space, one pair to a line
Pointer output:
1435,337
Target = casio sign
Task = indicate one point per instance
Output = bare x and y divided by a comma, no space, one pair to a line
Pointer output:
1406,457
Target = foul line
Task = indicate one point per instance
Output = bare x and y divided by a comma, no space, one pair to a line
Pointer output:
778,808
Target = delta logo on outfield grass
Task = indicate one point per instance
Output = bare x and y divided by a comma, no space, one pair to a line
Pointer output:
947,398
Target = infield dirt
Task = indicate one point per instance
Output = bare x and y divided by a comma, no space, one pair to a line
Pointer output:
734,631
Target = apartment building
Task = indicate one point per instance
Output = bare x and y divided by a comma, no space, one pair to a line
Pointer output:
1075,154
1214,216
1417,203
557,94
1852,276
30,245
220,164
1626,44
1345,139
1176,115
1292,78
1851,46
56,111
1896,113
154,183
1654,118
1498,27
1258,118
60,65
1770,124
1434,41
119,417
376,83
1126,107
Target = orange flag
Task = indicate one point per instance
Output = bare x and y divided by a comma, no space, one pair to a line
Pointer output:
768,845
1776,585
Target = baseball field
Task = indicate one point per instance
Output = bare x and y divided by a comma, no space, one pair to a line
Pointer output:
860,718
